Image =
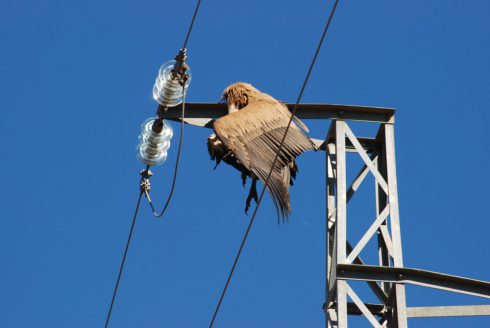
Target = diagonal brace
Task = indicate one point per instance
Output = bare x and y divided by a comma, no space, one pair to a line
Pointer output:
360,304
381,181
367,236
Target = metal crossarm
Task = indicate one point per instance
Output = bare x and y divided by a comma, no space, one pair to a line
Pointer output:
205,112
415,277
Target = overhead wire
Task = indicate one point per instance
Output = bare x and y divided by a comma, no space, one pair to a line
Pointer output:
192,24
177,161
142,191
124,259
182,123
252,219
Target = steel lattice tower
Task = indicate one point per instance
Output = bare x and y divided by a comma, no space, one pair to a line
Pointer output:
388,278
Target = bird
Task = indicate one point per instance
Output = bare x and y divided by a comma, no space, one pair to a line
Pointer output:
248,138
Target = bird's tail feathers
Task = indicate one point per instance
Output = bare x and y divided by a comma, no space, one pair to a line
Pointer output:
278,188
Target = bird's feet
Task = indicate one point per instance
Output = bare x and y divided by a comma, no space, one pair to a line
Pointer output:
244,179
251,195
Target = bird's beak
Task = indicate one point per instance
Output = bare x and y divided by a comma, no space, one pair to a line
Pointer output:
232,108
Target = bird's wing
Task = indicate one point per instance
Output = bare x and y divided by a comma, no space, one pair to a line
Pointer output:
296,119
218,152
216,149
254,133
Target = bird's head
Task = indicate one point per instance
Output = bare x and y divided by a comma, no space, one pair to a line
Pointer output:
238,95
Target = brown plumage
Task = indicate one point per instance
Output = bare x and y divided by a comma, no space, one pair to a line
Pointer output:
248,139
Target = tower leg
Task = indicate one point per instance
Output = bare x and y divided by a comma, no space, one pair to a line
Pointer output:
340,253
341,220
400,308
330,283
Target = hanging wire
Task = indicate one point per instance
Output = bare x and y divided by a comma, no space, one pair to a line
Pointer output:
124,258
147,169
181,138
177,161
192,24
252,219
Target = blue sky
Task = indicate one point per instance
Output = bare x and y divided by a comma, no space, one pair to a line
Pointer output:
76,80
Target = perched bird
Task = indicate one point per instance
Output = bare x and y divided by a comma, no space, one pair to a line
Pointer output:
248,139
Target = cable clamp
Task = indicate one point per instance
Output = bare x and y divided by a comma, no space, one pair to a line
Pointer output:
180,67
145,186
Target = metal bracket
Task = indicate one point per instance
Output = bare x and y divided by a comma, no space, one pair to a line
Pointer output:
145,185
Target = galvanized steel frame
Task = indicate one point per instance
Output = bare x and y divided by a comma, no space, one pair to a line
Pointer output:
381,164
387,279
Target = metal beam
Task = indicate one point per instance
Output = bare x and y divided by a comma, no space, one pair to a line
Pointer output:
448,311
385,235
361,175
415,277
376,309
367,236
341,221
368,144
362,307
377,290
425,311
400,308
305,111
379,179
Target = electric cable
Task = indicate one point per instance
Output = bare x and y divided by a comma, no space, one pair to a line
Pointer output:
192,24
177,161
182,123
143,192
252,219
123,259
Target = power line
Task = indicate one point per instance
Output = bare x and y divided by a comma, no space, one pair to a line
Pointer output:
177,161
151,205
192,24
252,219
124,258
142,191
